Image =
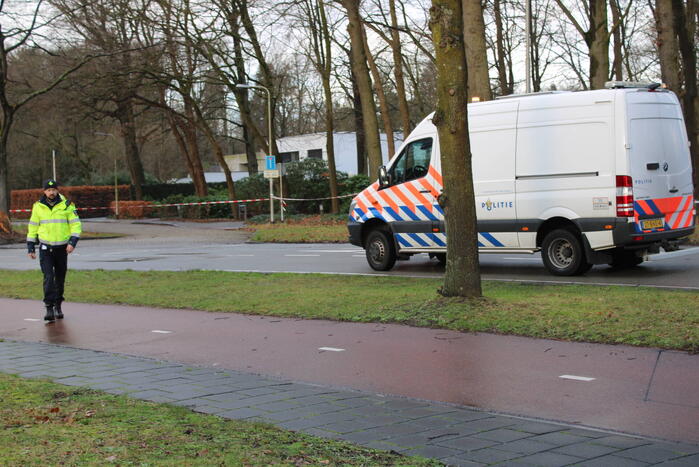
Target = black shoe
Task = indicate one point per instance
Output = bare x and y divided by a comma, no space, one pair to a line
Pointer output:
50,314
59,313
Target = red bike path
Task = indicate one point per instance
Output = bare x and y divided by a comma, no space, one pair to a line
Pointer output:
643,391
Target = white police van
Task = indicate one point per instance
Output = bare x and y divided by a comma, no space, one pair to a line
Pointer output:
591,177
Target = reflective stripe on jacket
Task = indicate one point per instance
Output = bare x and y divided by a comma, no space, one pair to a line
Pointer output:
55,226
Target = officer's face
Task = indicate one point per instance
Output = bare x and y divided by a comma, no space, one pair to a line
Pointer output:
51,193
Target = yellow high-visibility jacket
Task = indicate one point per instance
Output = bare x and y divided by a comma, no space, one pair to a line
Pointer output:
53,226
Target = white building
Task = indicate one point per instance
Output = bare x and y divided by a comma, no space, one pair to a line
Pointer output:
313,145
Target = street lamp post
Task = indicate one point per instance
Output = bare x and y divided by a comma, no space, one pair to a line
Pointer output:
116,188
270,145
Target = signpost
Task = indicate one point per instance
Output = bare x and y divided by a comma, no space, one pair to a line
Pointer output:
271,172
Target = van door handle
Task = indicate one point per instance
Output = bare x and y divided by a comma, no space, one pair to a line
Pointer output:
425,191
653,166
674,190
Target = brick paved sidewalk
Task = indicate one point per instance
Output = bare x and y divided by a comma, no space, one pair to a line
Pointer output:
455,435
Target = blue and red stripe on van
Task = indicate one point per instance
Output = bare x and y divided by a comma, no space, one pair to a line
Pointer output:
677,212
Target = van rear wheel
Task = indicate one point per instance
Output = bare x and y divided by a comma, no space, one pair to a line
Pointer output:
563,254
380,253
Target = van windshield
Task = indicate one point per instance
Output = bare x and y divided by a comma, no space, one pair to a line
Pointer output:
413,162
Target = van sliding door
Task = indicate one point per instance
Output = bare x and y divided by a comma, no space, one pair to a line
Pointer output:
493,140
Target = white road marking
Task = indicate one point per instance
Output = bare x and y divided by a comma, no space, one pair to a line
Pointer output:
301,255
231,256
577,378
32,319
331,349
158,331
358,256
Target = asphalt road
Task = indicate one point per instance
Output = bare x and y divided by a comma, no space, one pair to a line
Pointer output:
168,247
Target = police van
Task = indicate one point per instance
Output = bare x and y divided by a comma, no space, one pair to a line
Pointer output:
591,177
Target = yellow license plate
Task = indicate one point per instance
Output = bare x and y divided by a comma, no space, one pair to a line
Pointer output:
652,224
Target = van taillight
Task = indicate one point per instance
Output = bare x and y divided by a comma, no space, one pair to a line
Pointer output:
624,196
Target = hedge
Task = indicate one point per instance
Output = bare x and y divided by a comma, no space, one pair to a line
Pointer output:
83,196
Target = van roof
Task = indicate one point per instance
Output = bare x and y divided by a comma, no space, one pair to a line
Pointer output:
609,85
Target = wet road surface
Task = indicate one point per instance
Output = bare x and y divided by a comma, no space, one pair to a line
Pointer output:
175,246
635,390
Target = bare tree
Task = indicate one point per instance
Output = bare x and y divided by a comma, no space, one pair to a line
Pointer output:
14,96
596,37
313,13
111,28
388,29
380,95
396,49
503,54
462,277
361,73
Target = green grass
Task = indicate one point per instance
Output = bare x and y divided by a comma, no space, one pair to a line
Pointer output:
617,315
301,229
44,423
296,233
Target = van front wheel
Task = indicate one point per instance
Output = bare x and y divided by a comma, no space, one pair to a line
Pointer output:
379,251
563,253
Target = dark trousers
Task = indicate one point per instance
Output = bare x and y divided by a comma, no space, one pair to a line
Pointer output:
54,264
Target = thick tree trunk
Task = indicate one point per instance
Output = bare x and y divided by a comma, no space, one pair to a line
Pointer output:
398,71
598,42
668,48
462,276
685,24
476,56
361,73
127,120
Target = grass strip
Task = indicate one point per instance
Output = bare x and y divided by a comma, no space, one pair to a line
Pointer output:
298,233
50,424
638,316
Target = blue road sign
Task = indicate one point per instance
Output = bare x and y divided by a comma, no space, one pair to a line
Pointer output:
270,163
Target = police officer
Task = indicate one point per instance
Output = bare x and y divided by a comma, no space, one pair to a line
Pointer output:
56,225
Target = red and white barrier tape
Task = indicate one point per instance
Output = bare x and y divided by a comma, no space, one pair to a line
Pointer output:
314,199
162,205
199,203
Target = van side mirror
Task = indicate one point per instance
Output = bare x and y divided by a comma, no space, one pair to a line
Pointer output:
383,176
